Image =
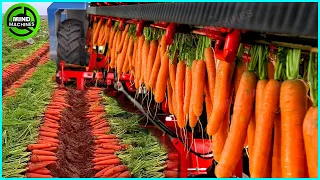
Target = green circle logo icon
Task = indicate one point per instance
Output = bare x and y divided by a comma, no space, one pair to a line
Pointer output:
22,21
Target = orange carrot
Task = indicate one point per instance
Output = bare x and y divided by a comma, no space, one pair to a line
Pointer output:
144,56
219,138
192,117
310,136
42,152
96,32
155,70
208,100
50,149
139,57
162,78
293,107
172,72
35,166
238,130
101,172
122,40
52,117
43,171
125,174
34,175
276,153
106,141
240,68
47,129
171,174
130,52
178,92
187,90
170,97
108,161
105,151
134,55
250,136
41,158
115,170
48,134
109,136
113,147
38,146
221,95
122,56
198,90
104,158
150,61
51,125
269,106
211,70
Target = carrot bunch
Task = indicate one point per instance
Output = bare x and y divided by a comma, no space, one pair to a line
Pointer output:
44,151
106,163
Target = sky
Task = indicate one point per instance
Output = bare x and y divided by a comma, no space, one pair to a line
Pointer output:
40,6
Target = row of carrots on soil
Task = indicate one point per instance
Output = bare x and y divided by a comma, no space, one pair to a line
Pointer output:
12,90
15,70
274,111
106,163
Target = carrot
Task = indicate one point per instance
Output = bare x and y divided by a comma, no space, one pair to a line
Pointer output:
211,70
170,97
179,81
125,174
150,61
43,141
134,55
40,158
48,134
38,146
115,170
102,169
293,107
219,138
198,90
238,130
113,50
51,125
162,78
187,90
310,136
155,70
207,100
104,158
309,102
171,174
113,147
50,149
172,72
34,175
52,117
106,141
139,57
47,129
104,151
192,117
43,171
163,45
250,136
111,38
42,152
276,153
240,68
96,32
269,106
144,55
122,56
221,95
122,39
35,166
109,136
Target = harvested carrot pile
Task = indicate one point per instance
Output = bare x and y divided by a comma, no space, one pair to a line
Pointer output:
44,152
15,71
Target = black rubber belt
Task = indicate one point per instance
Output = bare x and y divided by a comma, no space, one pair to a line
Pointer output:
299,19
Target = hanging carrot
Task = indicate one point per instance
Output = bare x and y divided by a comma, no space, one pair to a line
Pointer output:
192,118
293,107
155,69
211,70
179,80
276,152
232,149
161,79
310,123
150,61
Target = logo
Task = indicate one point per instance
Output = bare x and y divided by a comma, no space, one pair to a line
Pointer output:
22,21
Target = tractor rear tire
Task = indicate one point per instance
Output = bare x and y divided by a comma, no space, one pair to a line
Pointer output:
71,43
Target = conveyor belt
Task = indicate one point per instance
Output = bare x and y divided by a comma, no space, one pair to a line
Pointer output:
297,19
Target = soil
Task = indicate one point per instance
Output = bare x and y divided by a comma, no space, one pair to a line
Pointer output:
75,151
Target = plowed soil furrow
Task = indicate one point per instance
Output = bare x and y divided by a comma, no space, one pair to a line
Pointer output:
19,83
75,150
15,71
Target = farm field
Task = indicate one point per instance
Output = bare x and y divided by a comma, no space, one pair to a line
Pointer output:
45,127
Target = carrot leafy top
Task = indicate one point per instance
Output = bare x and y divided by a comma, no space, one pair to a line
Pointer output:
292,63
279,73
313,77
254,52
263,53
